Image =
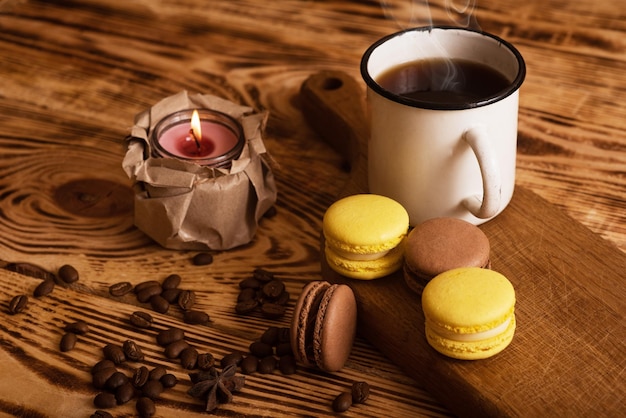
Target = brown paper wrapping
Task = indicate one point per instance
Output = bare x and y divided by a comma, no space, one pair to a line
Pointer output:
185,206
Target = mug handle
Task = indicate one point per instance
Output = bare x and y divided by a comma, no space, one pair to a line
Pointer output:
489,204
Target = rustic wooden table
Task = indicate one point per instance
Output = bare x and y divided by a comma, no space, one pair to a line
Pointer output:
73,75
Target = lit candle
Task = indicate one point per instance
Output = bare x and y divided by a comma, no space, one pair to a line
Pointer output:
203,136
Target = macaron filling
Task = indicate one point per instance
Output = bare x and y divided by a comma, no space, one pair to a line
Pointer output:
470,337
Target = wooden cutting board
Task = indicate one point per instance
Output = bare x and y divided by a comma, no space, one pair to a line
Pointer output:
568,356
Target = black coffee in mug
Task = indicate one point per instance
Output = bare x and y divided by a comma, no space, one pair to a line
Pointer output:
443,81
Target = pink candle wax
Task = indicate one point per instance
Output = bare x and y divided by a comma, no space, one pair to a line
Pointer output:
216,140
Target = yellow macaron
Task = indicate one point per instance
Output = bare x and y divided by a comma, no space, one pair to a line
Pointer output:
364,235
470,313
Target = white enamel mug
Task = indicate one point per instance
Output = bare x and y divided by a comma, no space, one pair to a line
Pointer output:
455,160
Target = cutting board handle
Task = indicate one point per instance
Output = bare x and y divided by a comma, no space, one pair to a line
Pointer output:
333,104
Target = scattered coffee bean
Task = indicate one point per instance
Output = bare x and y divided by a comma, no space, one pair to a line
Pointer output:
270,336
140,376
114,353
141,319
267,365
142,285
170,335
263,275
124,393
342,402
262,292
273,310
283,349
171,282
202,259
68,342
196,317
145,407
120,289
105,400
260,349
147,292
18,304
168,380
159,304
174,349
171,295
205,361
249,365
101,414
101,365
152,389
100,377
132,351
78,327
44,288
186,299
68,274
287,364
116,380
157,373
273,289
30,270
188,358
250,283
246,307
360,392
233,358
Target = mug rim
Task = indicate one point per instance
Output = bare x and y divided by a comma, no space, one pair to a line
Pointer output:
423,104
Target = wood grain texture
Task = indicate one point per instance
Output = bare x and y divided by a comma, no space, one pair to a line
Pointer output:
73,73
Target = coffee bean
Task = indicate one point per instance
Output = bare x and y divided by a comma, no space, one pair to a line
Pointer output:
68,274
101,365
116,380
267,365
270,336
78,327
114,353
205,361
283,299
186,299
342,402
99,378
132,351
142,285
159,304
174,349
68,341
284,335
249,365
360,392
263,275
152,389
30,270
124,393
246,307
120,289
283,349
250,283
246,294
171,295
287,364
169,335
147,292
140,376
168,380
145,407
171,282
141,319
272,310
157,373
101,414
196,317
44,288
261,349
202,259
233,358
105,400
273,289
18,304
188,358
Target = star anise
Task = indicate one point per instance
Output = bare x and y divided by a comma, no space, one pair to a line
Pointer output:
217,387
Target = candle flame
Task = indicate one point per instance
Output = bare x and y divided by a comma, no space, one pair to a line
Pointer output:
195,125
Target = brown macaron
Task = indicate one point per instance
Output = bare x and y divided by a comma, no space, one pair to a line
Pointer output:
323,326
442,244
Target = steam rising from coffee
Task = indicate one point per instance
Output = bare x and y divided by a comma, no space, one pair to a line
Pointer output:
413,13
